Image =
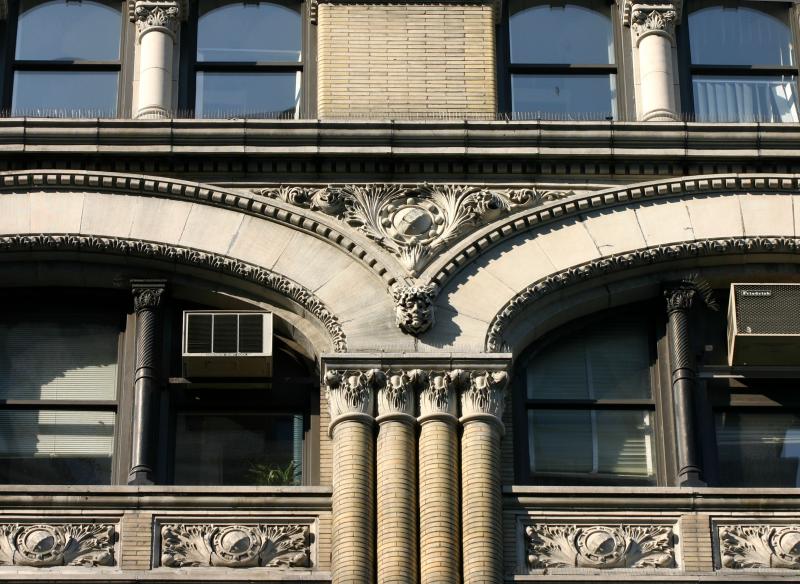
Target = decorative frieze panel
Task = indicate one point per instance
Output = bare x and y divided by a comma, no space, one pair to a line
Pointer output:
759,546
602,547
413,223
235,546
45,545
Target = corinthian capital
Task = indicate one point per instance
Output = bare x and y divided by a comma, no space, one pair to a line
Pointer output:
157,14
438,397
147,294
652,17
396,396
351,394
483,396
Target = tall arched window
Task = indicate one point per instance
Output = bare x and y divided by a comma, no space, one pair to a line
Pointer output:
249,60
67,58
555,73
743,65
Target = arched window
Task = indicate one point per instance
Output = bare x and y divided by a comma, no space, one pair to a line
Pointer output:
67,58
249,60
743,65
589,405
555,73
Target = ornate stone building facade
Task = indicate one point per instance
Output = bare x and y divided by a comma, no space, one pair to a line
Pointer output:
498,340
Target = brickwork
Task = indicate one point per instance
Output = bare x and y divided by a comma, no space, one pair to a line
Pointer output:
397,502
399,60
481,503
695,532
325,446
353,502
439,503
507,446
136,540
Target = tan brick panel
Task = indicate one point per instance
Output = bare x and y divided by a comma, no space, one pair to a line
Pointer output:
136,540
696,547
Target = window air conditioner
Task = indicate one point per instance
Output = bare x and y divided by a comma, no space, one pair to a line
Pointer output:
764,324
227,344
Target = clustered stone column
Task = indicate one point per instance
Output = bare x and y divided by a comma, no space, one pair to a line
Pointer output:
147,379
157,23
653,35
442,503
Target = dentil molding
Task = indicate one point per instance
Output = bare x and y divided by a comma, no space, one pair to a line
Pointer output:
759,546
235,546
414,223
601,547
62,544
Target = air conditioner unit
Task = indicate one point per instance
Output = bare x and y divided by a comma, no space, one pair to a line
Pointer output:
227,344
764,324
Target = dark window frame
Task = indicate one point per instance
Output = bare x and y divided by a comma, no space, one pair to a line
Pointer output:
688,70
190,66
506,68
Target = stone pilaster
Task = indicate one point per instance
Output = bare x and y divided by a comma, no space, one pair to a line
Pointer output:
652,26
439,492
351,397
157,24
679,299
482,405
397,478
147,380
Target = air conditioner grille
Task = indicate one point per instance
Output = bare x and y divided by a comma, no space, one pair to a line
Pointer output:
767,308
225,333
199,340
251,333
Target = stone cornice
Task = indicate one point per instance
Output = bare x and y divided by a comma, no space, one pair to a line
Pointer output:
741,245
125,247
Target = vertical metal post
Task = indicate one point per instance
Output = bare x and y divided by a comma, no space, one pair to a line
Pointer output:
146,302
679,301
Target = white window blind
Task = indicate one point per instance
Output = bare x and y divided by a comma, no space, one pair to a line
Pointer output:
56,433
745,99
58,359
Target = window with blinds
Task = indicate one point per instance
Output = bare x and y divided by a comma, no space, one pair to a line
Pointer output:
58,388
590,406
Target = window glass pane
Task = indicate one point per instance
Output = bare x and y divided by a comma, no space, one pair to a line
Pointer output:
741,35
758,449
56,447
611,360
538,34
745,99
66,358
226,95
565,96
65,94
61,30
248,32
238,449
606,442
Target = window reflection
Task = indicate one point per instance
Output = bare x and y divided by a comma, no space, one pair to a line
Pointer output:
252,95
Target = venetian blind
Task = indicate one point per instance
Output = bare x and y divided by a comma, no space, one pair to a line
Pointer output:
56,433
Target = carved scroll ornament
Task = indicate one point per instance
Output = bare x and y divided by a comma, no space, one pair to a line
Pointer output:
599,546
760,546
412,223
235,546
48,545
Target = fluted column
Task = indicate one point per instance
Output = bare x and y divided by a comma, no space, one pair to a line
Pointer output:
439,492
679,301
157,25
351,397
147,379
482,405
652,27
397,478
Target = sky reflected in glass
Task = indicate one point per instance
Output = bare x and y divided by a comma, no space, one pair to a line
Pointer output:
69,94
226,95
565,96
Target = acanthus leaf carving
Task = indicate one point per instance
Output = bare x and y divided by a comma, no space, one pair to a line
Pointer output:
48,545
599,546
439,395
484,393
759,546
235,546
157,14
413,223
352,391
396,396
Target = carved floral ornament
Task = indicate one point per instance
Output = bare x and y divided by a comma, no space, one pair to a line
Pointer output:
49,545
412,223
652,18
235,546
759,546
353,392
603,547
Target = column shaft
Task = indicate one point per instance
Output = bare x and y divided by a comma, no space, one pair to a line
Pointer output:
353,484
439,502
655,72
155,73
397,502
